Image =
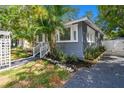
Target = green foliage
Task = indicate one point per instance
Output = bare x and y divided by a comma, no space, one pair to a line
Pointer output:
92,53
54,21
110,19
26,76
72,59
18,53
121,33
112,34
42,79
21,20
26,22
59,55
63,74
101,48
46,63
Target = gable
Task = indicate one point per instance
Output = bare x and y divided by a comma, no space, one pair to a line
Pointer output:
88,22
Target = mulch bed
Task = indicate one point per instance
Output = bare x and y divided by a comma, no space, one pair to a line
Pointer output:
70,65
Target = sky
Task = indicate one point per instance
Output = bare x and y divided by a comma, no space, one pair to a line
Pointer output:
84,8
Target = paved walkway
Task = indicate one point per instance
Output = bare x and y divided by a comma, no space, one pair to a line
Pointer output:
108,73
19,63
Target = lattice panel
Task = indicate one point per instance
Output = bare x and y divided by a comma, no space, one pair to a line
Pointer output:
5,50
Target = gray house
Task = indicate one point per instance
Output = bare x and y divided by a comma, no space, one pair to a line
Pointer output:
80,34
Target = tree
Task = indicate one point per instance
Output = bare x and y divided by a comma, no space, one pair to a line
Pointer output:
26,22
111,18
54,22
22,21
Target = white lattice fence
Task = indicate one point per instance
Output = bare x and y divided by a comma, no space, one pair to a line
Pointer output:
5,49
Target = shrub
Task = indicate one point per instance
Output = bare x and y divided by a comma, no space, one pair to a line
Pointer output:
88,54
102,48
92,53
72,59
60,56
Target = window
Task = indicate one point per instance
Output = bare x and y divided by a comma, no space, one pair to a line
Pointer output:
90,35
69,35
74,29
41,38
90,38
66,35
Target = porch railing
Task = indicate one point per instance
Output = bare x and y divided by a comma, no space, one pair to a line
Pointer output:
42,48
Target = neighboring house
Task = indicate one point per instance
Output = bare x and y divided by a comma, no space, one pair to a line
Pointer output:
80,34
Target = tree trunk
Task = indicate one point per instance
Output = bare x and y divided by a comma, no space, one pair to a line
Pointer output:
52,42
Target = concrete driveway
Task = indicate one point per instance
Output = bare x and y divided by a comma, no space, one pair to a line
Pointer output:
108,73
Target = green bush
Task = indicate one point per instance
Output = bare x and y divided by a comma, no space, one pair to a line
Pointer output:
60,56
102,48
63,74
72,59
92,53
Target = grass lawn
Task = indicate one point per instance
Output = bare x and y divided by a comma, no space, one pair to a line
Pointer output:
36,74
17,53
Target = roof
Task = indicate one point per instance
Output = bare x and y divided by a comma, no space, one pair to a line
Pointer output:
5,33
88,22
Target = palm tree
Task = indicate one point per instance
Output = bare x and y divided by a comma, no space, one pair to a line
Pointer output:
54,22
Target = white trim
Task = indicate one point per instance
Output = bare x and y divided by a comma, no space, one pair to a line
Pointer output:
5,33
66,41
71,34
75,26
57,36
5,49
43,38
90,41
76,21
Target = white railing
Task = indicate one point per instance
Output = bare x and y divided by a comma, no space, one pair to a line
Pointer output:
36,49
42,48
